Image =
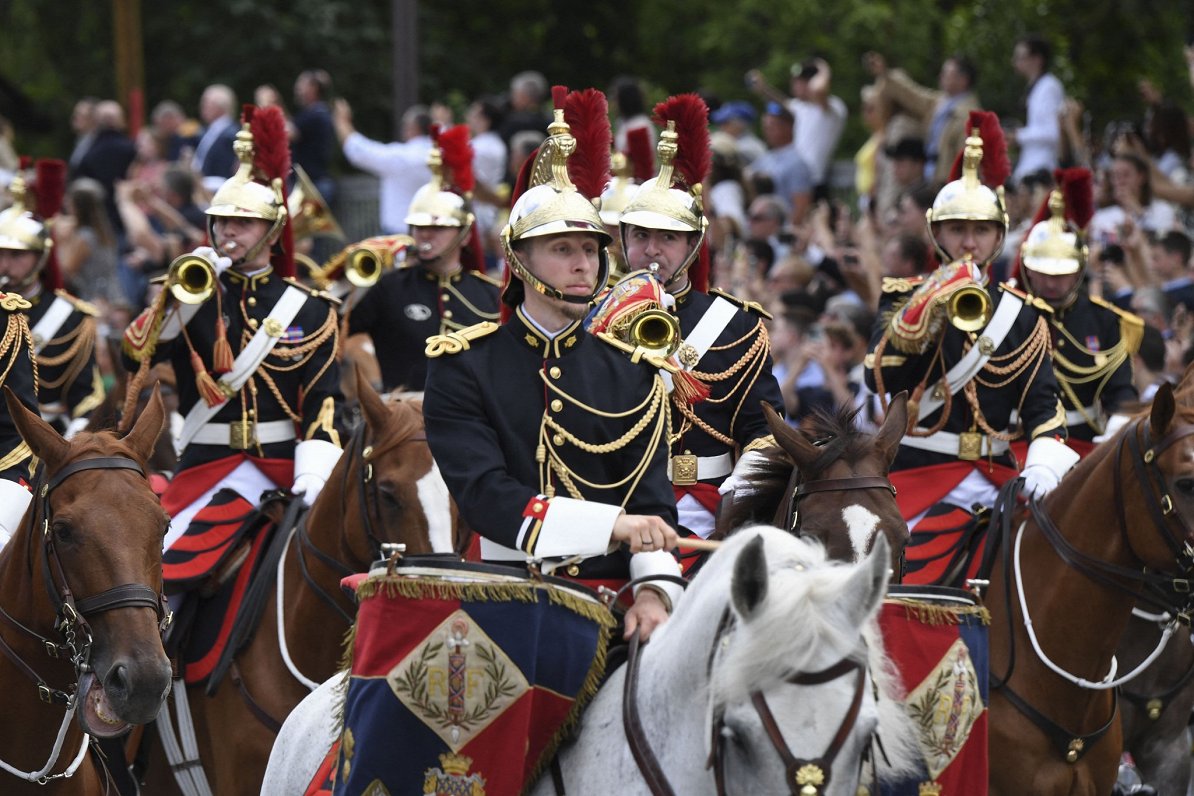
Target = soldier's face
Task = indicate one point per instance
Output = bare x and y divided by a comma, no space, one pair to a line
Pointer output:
979,239
17,266
665,248
568,262
431,243
235,236
1053,288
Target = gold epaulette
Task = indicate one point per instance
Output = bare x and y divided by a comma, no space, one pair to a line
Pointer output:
638,354
486,278
749,306
900,284
85,307
311,291
13,302
455,342
1034,301
1131,326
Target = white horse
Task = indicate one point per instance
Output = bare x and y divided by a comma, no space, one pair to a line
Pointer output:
766,609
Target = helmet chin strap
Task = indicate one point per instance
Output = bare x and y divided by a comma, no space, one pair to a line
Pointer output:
228,249
538,285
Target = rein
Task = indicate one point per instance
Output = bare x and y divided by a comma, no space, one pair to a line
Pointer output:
70,614
798,489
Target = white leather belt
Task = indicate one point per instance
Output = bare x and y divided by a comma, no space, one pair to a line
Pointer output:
241,436
708,467
1081,417
950,444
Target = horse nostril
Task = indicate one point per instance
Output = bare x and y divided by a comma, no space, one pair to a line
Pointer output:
117,681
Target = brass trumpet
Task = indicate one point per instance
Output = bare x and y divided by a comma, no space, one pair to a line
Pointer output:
365,266
191,279
969,308
655,331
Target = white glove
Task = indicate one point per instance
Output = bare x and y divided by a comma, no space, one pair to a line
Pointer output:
1047,461
218,263
1114,424
314,460
743,470
14,499
74,427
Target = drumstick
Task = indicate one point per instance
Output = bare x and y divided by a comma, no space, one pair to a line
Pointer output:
697,543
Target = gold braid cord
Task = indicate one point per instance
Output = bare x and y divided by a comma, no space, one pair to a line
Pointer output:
303,348
747,368
80,343
917,393
1069,373
553,437
1026,358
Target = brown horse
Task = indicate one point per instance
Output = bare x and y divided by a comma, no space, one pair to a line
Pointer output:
81,611
385,489
1076,565
840,472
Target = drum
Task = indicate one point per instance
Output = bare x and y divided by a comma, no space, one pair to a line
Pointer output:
463,677
937,638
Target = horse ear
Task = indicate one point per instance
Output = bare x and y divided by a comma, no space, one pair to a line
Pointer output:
895,425
1162,411
748,588
374,408
868,584
795,444
46,443
143,436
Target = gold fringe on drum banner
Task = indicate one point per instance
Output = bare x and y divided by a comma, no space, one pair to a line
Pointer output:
936,614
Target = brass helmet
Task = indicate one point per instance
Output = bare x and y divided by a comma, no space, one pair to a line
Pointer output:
1055,244
551,203
257,190
26,224
672,199
967,197
444,202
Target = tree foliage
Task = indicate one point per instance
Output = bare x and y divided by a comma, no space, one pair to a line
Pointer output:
57,52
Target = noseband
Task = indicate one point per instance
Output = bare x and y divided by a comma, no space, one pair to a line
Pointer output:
70,614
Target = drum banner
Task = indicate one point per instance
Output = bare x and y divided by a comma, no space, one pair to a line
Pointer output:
939,647
463,686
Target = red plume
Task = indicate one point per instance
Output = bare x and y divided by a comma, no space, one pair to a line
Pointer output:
638,152
691,115
271,146
1077,186
51,187
995,167
456,153
246,113
698,272
587,114
559,95
26,163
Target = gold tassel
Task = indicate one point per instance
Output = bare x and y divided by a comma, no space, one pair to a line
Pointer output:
221,355
688,388
204,383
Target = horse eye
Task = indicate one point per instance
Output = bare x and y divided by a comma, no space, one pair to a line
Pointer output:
62,530
1185,486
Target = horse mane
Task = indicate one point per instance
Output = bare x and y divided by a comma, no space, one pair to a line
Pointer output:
405,420
804,593
837,436
90,444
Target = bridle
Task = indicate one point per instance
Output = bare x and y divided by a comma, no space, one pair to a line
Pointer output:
805,776
70,613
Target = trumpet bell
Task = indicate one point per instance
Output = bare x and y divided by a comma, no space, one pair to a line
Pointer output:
655,331
191,279
310,215
969,308
364,267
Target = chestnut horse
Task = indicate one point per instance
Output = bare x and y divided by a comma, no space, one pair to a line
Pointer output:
385,489
81,606
841,472
1076,565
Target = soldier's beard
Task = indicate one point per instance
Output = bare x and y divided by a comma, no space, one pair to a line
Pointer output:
574,312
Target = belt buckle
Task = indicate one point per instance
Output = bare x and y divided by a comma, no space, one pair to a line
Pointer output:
242,435
684,469
970,446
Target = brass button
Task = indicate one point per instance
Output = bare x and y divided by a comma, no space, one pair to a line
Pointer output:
252,302
557,405
253,322
251,412
447,313
445,297
554,372
573,570
538,507
557,440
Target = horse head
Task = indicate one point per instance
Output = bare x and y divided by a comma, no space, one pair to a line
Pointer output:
91,559
792,705
387,486
829,483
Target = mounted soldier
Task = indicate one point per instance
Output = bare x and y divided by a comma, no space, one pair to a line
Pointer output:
17,373
726,344
442,287
970,353
63,327
1093,340
254,350
551,439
